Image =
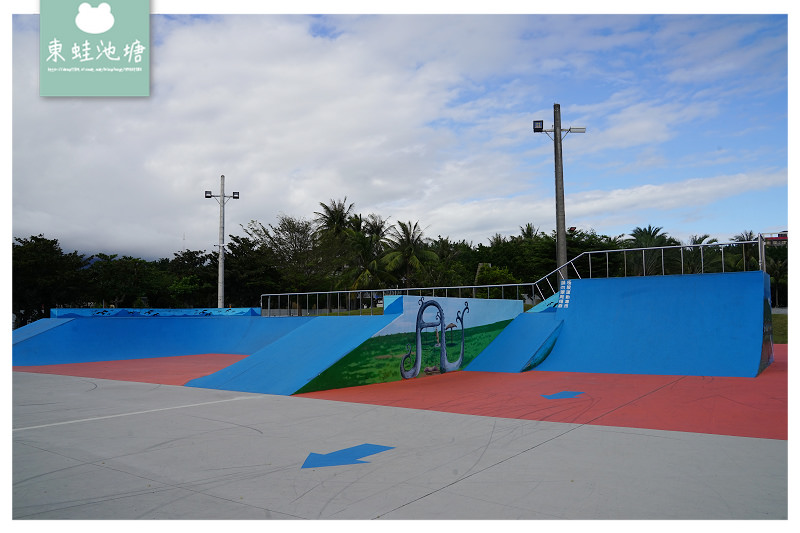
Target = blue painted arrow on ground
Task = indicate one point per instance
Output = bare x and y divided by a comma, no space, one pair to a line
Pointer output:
347,456
562,394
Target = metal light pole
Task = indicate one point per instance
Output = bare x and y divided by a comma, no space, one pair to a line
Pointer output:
561,225
222,200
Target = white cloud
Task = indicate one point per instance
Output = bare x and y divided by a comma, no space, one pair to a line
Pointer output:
675,195
414,118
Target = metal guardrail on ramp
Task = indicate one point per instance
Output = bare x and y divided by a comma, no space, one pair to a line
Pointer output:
735,256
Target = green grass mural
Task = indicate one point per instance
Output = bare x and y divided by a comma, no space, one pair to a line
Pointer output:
377,360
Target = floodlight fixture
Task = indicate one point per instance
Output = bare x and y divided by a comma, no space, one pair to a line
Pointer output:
557,137
235,195
209,195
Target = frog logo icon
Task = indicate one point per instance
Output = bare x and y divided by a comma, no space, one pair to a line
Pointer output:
94,20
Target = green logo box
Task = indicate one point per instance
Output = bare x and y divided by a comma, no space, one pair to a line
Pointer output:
94,48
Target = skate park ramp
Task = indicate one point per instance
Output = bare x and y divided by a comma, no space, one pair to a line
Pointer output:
36,328
242,352
690,325
92,339
287,364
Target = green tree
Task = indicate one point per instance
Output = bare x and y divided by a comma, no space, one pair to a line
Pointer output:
330,228
184,291
193,279
532,254
334,217
250,270
743,256
43,277
408,253
778,270
123,282
580,241
747,235
378,228
698,259
295,247
642,263
777,264
456,265
367,240
492,275
528,232
537,256
650,237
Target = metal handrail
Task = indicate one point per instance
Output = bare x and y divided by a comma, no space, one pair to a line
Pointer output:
375,297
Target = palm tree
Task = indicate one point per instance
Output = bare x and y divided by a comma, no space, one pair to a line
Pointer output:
747,235
367,241
355,222
329,227
496,240
408,251
378,229
529,231
334,216
698,259
745,256
647,263
778,270
365,270
453,258
649,237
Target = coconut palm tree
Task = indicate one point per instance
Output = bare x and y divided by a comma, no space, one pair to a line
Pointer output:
496,240
365,270
334,216
778,270
367,241
408,251
747,235
329,227
698,259
378,229
648,262
528,231
649,237
745,255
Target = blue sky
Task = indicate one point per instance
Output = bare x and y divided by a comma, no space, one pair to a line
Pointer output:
417,118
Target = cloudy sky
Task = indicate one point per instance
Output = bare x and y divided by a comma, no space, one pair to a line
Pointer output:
414,117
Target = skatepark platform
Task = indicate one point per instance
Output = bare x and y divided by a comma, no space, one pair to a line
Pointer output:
104,426
699,325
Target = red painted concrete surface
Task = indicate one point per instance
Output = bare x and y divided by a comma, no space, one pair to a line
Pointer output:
162,370
744,407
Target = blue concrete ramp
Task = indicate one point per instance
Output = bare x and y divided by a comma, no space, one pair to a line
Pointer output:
82,340
692,325
522,345
286,365
36,328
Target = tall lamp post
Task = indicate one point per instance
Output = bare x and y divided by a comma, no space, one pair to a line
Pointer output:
222,199
561,226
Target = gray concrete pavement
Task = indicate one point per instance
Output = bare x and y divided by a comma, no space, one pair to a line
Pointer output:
98,449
